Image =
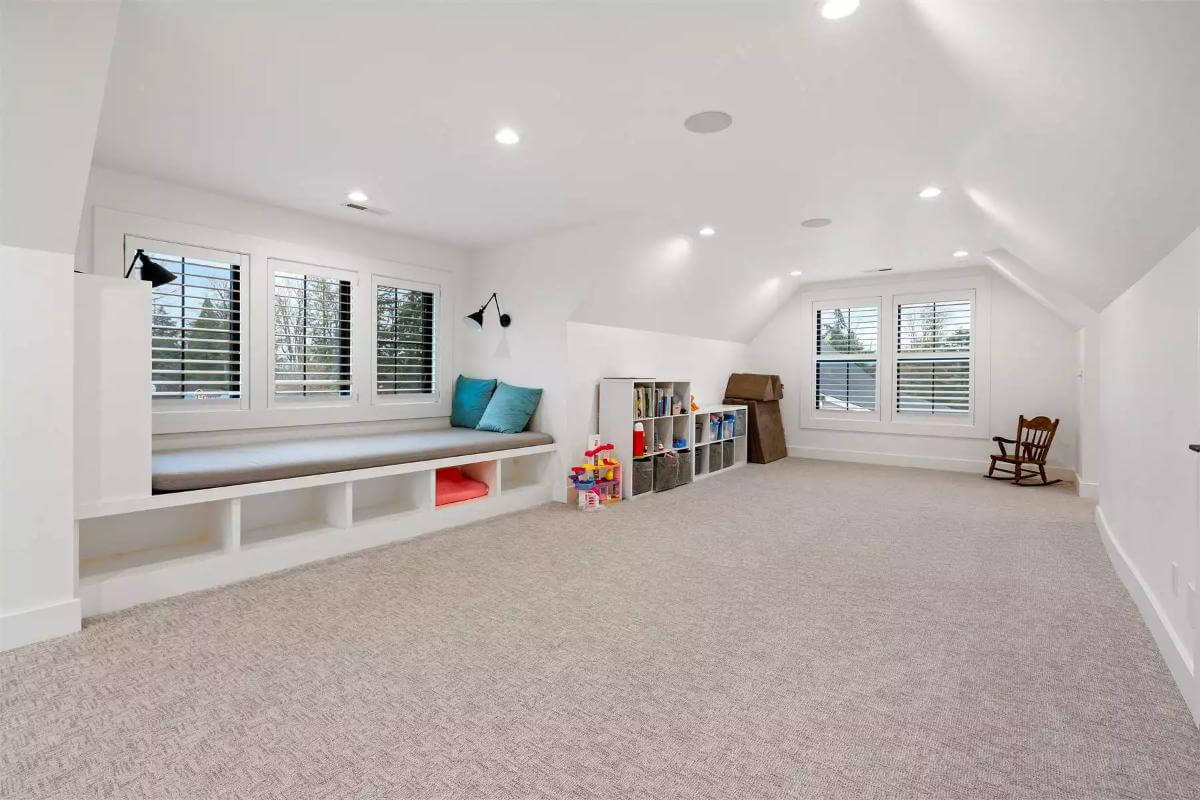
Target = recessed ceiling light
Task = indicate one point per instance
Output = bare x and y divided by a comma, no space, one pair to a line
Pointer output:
929,192
507,136
795,273
836,9
961,254
708,230
708,122
357,196
816,222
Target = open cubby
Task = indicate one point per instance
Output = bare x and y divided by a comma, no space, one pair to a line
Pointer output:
266,517
375,498
520,472
485,472
124,541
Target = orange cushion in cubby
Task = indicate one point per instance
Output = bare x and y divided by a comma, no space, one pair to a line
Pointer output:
454,487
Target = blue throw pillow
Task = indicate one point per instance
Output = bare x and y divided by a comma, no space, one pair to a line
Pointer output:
471,397
510,409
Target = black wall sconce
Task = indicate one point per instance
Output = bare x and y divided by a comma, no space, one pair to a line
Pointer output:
475,320
151,270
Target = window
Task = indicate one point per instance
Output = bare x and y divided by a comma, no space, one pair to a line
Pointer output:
933,357
907,356
405,354
312,334
846,359
196,327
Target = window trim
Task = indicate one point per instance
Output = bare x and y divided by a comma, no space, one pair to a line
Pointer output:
286,266
160,405
890,293
378,280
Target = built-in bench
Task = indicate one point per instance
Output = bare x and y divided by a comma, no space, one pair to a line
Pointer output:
206,467
223,514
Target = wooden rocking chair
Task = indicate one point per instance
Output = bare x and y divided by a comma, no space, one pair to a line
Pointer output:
1030,448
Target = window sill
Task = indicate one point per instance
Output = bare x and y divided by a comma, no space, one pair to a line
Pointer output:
903,427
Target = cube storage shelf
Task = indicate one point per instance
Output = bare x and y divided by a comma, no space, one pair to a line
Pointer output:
147,548
618,417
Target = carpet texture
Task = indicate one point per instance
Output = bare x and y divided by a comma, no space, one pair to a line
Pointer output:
802,629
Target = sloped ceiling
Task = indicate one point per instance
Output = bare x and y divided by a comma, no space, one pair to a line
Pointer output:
1062,133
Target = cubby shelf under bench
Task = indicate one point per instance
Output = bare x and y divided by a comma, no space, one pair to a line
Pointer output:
147,548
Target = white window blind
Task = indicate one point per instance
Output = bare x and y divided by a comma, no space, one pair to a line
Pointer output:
196,330
933,357
405,348
847,346
312,336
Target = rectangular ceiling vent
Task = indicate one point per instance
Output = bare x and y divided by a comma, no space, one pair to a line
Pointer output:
880,269
379,212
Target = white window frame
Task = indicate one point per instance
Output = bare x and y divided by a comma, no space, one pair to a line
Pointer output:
278,265
392,281
976,424
874,301
929,297
160,405
110,229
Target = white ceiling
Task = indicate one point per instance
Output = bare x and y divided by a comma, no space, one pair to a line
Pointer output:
1062,132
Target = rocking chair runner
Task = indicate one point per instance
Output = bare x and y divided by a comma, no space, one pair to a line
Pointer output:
1030,449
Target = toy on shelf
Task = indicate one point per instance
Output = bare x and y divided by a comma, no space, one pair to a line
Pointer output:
695,405
639,439
598,480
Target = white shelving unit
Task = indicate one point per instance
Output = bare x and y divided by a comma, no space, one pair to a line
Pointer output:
617,420
147,548
732,445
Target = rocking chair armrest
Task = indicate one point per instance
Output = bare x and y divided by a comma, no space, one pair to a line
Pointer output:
1003,439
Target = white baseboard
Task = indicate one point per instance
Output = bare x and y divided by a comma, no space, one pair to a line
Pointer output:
919,462
37,624
1170,644
1088,489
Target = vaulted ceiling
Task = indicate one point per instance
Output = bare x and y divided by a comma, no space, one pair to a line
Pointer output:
1063,133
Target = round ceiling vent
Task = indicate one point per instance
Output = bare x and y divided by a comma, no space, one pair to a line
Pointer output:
816,222
708,122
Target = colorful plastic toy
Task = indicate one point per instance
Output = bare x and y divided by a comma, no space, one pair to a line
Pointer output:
598,480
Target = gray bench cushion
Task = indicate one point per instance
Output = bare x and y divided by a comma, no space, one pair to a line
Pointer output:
206,467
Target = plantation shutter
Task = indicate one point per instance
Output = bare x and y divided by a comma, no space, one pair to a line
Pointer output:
312,336
405,349
196,330
847,346
933,357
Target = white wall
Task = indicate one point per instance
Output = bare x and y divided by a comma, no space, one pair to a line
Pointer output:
1033,371
138,194
1149,396
545,284
37,539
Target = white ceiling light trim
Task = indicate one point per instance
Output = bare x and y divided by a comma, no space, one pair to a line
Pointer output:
795,273
961,254
357,196
507,136
816,222
838,9
708,230
929,192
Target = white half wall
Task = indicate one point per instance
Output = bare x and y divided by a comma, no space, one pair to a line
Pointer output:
1149,400
37,534
1034,367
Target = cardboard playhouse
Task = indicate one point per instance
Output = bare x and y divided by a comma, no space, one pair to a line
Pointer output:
761,394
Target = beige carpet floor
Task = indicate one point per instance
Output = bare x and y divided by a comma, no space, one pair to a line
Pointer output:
803,629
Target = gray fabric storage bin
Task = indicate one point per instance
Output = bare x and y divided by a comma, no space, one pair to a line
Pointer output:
727,456
685,467
740,426
643,475
666,467
714,456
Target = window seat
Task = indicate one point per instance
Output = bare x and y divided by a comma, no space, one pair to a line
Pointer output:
229,465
